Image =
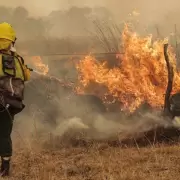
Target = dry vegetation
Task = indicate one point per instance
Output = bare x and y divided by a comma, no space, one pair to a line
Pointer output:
96,161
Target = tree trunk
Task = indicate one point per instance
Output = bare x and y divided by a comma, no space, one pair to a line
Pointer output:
170,82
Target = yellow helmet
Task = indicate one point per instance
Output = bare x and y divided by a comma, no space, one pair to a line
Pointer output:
7,32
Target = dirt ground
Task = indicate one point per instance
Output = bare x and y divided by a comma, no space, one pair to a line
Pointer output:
96,161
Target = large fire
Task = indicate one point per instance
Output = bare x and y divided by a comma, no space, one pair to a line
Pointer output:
140,77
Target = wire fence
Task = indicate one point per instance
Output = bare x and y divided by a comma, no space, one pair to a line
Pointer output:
75,54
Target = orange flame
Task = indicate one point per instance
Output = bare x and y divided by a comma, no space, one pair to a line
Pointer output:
40,67
140,77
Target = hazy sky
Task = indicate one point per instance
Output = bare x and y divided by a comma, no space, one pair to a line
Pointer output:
42,7
151,11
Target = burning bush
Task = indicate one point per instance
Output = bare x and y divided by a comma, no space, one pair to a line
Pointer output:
140,77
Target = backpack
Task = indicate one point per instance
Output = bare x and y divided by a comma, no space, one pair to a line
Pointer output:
12,77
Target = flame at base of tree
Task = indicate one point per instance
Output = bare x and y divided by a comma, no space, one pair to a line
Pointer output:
140,77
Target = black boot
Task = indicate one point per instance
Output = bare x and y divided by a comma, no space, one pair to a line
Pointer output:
5,166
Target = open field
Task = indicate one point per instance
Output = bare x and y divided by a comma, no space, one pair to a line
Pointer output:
97,117
97,161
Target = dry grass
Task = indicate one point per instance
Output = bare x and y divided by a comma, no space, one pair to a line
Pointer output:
96,161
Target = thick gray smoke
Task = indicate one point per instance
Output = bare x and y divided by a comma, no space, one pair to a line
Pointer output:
101,127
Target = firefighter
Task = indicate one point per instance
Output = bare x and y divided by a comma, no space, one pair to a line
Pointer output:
13,74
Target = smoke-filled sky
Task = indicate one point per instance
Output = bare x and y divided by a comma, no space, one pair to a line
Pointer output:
154,12
38,7
150,8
